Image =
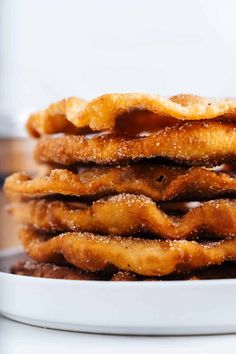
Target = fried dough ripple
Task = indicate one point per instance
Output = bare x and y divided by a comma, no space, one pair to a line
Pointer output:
157,182
127,214
191,143
145,257
102,113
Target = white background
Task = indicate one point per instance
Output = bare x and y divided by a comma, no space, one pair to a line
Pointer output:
57,48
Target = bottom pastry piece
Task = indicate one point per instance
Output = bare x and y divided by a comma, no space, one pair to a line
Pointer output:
145,257
48,270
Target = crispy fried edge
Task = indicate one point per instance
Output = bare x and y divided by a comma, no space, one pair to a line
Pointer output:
127,214
192,143
101,113
53,271
145,257
157,182
226,270
52,120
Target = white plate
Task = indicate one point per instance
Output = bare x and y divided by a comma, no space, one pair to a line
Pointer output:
175,307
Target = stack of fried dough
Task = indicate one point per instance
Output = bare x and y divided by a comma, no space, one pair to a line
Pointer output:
140,187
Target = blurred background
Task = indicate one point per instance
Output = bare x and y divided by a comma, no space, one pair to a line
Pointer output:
59,48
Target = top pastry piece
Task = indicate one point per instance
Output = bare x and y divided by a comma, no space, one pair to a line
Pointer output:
130,112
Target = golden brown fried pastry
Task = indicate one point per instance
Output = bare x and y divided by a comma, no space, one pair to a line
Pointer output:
124,276
191,143
53,120
127,214
160,183
227,270
48,270
112,111
145,257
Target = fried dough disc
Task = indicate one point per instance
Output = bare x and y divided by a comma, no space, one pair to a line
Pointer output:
48,270
157,182
53,271
127,214
226,270
123,110
145,257
191,143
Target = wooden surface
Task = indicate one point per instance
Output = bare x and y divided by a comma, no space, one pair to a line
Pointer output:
8,227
